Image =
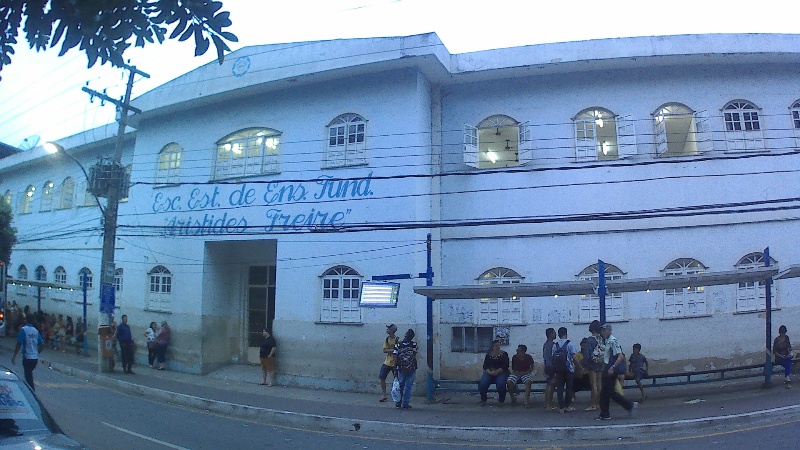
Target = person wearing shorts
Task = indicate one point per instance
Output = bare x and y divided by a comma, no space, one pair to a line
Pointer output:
521,372
389,364
266,354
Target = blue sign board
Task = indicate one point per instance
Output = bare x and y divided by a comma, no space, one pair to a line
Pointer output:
107,298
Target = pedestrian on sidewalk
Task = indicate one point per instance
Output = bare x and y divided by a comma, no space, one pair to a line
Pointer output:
593,357
125,339
613,359
389,363
80,335
30,342
69,333
522,366
150,336
564,365
782,349
266,354
495,370
162,342
547,360
406,357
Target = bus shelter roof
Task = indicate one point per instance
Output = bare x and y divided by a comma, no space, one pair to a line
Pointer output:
549,289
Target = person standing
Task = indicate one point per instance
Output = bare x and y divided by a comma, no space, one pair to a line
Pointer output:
406,357
782,349
266,353
521,372
495,370
150,335
162,342
613,358
564,364
125,339
593,363
389,364
30,342
69,333
80,335
547,360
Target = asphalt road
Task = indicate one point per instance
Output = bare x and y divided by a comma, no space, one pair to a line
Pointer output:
101,418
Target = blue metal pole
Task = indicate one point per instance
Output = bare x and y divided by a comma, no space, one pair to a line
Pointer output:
601,289
429,320
85,343
768,301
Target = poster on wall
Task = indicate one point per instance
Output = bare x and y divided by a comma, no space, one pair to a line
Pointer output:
503,334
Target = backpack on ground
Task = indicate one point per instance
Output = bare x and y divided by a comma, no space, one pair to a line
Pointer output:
406,358
599,352
560,356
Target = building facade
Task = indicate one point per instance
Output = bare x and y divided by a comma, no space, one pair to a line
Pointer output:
265,190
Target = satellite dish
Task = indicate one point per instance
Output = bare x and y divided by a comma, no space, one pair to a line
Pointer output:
30,142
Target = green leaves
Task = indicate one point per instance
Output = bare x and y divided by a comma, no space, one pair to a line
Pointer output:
105,29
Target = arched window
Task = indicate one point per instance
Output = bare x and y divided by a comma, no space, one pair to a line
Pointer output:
341,287
500,311
679,131
497,141
8,197
41,273
27,200
159,296
67,193
118,284
47,197
252,151
742,126
601,135
795,111
687,301
88,278
346,141
60,275
752,295
169,164
22,272
589,308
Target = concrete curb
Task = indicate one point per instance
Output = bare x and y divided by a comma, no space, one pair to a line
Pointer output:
606,430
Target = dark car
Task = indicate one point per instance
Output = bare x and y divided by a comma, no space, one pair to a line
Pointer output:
24,423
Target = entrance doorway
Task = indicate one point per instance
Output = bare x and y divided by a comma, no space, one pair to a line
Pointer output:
260,306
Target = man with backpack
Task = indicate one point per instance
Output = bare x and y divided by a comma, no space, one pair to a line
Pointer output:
406,358
564,363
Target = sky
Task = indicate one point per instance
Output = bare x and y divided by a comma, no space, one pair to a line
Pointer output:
41,97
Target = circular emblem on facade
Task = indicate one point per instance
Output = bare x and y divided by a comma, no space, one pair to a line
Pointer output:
241,66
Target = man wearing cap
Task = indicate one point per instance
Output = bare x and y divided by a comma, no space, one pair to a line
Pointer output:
389,358
612,359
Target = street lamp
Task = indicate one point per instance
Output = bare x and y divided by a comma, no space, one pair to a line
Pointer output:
109,181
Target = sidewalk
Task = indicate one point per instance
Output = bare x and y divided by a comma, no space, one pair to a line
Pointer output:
235,390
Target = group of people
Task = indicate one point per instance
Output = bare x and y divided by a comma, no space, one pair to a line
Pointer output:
156,338
400,359
598,364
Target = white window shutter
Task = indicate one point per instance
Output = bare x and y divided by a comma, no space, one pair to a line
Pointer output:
702,133
585,149
660,131
525,144
626,137
471,146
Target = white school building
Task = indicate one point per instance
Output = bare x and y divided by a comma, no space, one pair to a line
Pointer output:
266,189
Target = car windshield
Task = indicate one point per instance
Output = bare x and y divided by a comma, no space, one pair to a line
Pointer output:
20,412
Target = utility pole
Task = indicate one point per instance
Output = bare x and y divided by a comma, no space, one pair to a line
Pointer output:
110,180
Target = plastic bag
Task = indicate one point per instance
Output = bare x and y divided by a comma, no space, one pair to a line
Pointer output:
396,394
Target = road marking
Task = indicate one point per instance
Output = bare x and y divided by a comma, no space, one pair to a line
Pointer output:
62,385
147,438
